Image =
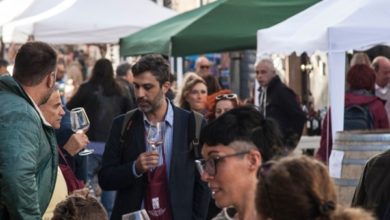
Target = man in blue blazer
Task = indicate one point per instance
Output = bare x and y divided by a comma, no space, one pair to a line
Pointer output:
164,181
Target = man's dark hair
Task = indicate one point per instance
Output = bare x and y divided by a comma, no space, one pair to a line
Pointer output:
244,124
3,63
122,69
154,63
33,62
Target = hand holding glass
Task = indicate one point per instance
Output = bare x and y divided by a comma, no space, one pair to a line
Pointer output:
155,136
138,215
80,124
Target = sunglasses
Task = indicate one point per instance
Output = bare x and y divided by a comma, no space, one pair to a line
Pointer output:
210,166
226,96
204,67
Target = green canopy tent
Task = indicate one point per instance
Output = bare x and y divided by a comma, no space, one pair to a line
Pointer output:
224,25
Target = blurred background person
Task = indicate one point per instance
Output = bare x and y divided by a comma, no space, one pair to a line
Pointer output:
202,68
297,188
171,93
212,84
103,99
381,66
3,67
125,79
234,147
74,79
279,102
361,84
193,94
360,58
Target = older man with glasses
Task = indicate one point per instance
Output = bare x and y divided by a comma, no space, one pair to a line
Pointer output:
202,68
234,147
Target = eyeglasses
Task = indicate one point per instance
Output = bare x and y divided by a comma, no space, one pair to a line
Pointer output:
204,67
210,166
226,96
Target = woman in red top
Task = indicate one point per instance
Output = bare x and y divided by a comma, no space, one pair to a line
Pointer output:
361,82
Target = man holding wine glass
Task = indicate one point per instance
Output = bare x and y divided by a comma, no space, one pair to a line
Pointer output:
148,159
28,166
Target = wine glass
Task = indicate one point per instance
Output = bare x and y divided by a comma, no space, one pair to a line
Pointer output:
137,215
155,135
80,123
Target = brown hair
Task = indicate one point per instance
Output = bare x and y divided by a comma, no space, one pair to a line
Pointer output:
190,80
79,208
299,188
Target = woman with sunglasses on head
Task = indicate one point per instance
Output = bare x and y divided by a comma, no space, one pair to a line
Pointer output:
300,188
234,147
225,103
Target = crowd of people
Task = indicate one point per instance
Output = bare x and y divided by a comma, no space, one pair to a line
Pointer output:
236,162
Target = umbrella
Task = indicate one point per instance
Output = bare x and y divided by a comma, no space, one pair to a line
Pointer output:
224,25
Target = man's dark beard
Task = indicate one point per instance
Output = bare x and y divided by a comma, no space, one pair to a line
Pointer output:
46,98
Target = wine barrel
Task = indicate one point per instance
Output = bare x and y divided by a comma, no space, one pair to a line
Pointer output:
358,147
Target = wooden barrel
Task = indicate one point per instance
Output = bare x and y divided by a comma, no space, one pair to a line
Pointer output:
358,147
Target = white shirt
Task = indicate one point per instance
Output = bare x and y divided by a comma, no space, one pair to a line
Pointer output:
384,93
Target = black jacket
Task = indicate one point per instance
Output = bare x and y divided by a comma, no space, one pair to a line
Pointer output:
373,190
189,196
282,106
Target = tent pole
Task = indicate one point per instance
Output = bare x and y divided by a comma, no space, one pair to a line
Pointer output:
179,70
337,90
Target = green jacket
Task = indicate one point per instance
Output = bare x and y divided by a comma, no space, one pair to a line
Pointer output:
28,155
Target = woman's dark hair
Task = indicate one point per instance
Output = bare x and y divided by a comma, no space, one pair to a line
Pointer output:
244,124
103,75
212,84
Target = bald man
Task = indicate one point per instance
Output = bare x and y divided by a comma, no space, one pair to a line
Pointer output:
381,66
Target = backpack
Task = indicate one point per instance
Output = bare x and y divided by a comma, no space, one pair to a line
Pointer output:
194,127
358,117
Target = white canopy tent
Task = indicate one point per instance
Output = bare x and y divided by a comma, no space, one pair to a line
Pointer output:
37,10
10,9
333,26
88,21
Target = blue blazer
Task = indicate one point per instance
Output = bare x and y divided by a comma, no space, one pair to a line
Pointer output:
189,195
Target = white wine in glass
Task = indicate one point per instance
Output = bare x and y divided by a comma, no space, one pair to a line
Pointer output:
155,136
80,124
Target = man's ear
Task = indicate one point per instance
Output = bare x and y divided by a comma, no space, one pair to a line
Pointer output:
255,159
50,80
166,86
